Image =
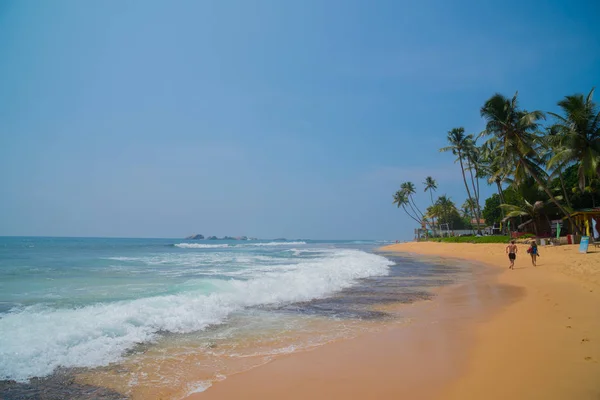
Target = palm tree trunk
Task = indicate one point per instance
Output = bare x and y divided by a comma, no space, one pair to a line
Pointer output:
410,198
415,204
432,217
564,189
501,194
470,167
462,168
409,214
549,223
551,196
414,211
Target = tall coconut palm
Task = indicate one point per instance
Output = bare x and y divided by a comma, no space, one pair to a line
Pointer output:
473,157
491,166
401,200
459,142
579,127
550,145
409,189
466,212
516,133
431,186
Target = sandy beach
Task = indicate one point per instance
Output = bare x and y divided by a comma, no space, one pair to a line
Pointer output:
528,333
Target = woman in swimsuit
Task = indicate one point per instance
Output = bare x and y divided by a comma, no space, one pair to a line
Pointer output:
533,251
511,249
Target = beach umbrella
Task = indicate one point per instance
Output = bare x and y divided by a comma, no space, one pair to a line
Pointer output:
557,230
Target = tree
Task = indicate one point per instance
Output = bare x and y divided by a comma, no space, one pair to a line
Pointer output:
409,190
516,134
589,197
527,209
446,213
551,144
458,146
401,200
472,155
579,129
466,213
492,213
431,186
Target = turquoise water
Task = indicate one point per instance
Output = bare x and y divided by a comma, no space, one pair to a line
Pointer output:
84,302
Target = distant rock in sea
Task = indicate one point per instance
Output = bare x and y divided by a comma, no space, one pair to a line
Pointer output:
200,237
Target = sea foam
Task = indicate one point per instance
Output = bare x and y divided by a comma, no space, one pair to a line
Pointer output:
36,340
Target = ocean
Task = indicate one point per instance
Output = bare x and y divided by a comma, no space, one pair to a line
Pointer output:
150,318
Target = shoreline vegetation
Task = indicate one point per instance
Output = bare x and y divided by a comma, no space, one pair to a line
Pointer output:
543,173
472,239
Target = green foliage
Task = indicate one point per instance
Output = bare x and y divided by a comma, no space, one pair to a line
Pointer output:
578,131
473,239
541,170
590,197
445,212
492,212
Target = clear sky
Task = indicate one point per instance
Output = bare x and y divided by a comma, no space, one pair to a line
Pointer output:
293,119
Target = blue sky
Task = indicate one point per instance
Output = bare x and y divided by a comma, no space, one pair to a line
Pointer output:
265,118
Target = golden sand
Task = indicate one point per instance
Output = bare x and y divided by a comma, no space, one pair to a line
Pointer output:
528,333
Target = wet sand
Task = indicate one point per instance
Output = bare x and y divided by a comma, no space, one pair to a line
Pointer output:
523,334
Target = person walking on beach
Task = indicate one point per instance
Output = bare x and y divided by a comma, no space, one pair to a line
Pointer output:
511,249
533,252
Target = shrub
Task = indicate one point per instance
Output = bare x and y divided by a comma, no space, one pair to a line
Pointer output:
472,239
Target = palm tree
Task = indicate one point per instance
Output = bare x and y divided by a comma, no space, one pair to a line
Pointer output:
533,211
516,133
431,185
409,189
458,146
444,208
466,209
466,212
551,144
473,166
579,130
401,200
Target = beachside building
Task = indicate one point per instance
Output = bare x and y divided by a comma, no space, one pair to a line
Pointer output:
586,218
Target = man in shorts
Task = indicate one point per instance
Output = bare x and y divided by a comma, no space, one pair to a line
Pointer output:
511,249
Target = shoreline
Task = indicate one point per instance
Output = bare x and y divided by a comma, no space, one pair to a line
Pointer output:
527,333
369,365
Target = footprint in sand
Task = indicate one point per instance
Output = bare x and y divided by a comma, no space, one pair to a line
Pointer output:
588,359
569,327
585,340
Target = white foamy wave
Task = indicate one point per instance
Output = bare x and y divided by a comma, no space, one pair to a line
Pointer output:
275,244
200,246
36,340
